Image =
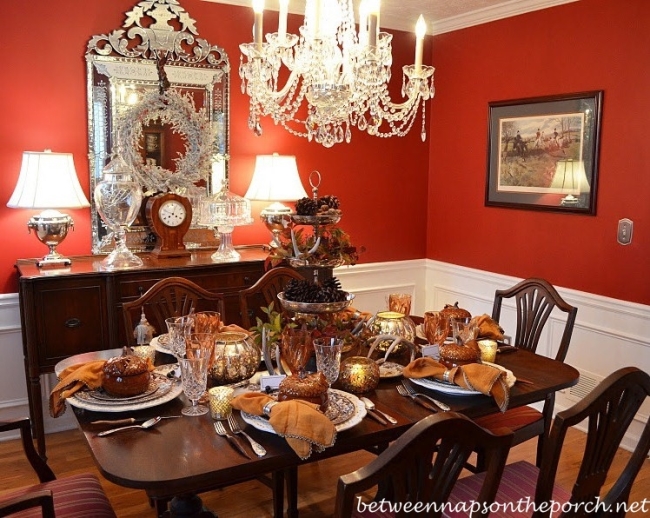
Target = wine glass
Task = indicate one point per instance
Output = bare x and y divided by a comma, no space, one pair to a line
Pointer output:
463,330
194,376
436,327
200,345
328,357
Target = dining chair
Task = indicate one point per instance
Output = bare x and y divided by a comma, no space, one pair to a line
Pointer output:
535,300
422,466
263,292
170,297
609,410
77,496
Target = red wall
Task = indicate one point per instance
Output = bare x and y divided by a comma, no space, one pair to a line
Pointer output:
380,182
581,46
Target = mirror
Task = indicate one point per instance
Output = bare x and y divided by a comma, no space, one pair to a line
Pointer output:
157,41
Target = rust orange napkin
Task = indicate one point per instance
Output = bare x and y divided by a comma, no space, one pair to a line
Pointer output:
299,422
75,378
485,379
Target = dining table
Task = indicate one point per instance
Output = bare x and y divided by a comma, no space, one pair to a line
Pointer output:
178,459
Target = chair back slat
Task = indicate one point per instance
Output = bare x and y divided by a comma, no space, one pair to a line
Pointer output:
423,465
610,409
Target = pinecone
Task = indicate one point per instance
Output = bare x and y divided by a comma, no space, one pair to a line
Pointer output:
306,207
331,202
308,291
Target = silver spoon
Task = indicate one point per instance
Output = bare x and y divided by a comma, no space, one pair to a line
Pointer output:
371,406
147,424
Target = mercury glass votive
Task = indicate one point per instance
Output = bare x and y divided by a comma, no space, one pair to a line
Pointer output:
145,351
220,406
359,374
488,350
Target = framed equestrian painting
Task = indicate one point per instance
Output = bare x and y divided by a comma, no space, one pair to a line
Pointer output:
543,153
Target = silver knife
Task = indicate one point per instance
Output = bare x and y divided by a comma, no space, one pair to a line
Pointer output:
234,441
376,416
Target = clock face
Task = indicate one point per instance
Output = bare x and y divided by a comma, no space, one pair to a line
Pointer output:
172,213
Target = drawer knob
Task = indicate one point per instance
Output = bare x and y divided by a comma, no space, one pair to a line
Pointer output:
72,323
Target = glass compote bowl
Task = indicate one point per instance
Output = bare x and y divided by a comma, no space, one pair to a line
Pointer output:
194,376
118,199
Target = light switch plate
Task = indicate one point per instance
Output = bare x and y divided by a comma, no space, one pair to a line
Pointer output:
624,233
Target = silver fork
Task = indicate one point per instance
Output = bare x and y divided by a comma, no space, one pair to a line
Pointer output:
236,429
403,392
234,441
442,406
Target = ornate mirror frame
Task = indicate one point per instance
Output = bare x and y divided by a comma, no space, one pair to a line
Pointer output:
122,67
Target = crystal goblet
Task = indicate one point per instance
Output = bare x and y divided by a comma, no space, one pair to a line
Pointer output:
328,357
194,376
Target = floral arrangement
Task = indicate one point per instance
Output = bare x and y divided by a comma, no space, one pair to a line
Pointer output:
177,110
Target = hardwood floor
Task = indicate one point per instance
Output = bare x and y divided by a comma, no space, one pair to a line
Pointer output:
68,455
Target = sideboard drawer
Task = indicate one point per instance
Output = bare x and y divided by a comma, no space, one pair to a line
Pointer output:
69,319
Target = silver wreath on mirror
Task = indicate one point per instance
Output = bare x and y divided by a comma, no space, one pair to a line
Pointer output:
192,113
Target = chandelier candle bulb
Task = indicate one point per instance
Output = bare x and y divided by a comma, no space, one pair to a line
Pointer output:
282,21
363,22
420,31
258,26
373,22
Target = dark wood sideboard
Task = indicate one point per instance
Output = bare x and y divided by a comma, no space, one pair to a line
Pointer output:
79,309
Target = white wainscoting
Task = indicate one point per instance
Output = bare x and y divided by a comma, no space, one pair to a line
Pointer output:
608,334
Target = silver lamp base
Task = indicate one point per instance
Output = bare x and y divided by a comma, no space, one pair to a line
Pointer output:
51,227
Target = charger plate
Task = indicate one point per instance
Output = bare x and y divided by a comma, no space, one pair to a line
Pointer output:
349,412
161,390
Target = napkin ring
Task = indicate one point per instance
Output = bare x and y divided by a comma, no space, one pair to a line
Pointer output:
445,376
267,408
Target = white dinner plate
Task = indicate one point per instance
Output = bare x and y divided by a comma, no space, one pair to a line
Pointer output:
446,388
262,423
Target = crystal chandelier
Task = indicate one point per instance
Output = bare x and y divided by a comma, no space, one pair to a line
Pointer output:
343,75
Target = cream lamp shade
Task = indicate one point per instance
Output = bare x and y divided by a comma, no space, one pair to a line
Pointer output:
49,181
276,179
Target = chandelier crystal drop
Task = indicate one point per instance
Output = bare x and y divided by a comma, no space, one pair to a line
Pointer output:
342,75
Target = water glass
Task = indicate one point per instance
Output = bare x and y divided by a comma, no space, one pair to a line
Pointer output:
400,303
328,357
463,330
194,376
204,342
436,327
177,329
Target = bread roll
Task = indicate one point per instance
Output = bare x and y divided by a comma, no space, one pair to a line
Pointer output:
312,388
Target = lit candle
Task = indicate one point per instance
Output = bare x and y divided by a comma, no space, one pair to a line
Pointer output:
373,19
420,31
258,9
317,15
282,21
363,22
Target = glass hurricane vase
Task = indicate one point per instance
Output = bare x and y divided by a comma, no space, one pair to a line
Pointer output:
118,199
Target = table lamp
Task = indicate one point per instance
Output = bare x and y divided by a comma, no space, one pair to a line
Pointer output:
49,181
276,179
